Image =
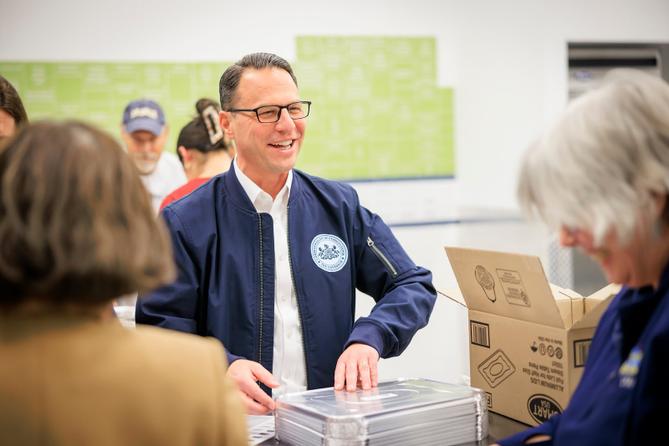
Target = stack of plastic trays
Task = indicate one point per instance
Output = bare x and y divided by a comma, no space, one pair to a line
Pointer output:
398,412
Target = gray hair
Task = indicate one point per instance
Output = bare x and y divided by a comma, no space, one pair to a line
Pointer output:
227,87
599,165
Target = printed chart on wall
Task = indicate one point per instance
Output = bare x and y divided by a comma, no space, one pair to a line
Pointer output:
377,110
97,92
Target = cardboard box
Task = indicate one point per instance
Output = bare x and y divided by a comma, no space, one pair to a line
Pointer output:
528,340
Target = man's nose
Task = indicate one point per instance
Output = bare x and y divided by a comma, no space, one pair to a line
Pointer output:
285,122
145,146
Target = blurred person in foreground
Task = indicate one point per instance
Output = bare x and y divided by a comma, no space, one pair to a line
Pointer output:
202,149
12,113
600,176
76,230
144,132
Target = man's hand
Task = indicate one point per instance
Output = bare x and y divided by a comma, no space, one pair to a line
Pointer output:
357,366
246,374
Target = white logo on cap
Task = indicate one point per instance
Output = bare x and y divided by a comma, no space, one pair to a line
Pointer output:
144,112
329,252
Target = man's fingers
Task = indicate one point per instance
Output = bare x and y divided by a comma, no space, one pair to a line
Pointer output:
264,376
374,373
246,381
340,377
246,375
364,375
253,390
252,407
351,376
357,366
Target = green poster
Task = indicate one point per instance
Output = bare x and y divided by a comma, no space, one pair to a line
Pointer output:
377,110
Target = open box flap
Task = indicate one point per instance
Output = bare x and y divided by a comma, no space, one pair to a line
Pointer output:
595,306
453,294
511,285
570,304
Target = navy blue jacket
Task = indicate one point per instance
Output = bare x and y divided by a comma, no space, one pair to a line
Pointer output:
623,395
224,252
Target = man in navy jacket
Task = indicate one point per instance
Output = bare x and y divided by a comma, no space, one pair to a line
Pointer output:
269,258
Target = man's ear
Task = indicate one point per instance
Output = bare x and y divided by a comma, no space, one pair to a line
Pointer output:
125,136
185,154
225,121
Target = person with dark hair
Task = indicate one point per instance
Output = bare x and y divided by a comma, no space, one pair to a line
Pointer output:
270,257
144,131
12,113
202,149
73,238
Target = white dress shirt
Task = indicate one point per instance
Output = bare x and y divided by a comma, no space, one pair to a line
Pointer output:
288,366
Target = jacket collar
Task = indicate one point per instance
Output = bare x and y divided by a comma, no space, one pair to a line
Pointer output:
253,190
240,198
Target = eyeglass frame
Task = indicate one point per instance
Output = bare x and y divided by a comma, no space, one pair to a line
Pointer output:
278,116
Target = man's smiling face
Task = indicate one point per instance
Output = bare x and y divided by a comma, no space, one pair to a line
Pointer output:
265,151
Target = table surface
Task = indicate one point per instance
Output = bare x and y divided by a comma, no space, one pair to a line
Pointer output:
499,427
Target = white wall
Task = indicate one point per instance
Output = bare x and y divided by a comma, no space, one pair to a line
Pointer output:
506,61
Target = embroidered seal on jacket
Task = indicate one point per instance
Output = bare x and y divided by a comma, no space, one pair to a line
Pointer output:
329,252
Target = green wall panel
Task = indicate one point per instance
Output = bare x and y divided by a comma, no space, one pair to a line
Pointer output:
97,92
377,110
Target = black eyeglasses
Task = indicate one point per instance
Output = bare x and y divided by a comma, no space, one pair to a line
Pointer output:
272,113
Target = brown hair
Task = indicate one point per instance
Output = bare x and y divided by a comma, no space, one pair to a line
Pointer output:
76,225
203,133
11,103
227,87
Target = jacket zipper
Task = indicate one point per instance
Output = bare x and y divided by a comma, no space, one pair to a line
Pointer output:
292,277
262,290
389,266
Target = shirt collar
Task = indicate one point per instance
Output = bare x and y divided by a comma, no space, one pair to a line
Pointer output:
253,190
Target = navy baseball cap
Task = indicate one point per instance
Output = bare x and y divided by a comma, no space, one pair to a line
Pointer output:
144,114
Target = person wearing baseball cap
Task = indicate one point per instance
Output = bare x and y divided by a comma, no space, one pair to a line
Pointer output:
144,132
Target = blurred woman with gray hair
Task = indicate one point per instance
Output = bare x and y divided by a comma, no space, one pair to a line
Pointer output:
600,176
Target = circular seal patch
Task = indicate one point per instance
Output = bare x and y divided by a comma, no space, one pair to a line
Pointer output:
329,252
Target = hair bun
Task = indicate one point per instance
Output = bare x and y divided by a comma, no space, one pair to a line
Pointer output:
204,103
208,110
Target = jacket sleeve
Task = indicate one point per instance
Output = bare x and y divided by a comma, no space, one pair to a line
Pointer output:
403,292
177,306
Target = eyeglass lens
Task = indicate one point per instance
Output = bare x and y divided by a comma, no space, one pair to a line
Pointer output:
272,113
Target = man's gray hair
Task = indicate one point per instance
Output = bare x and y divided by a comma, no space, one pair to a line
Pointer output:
227,87
598,166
